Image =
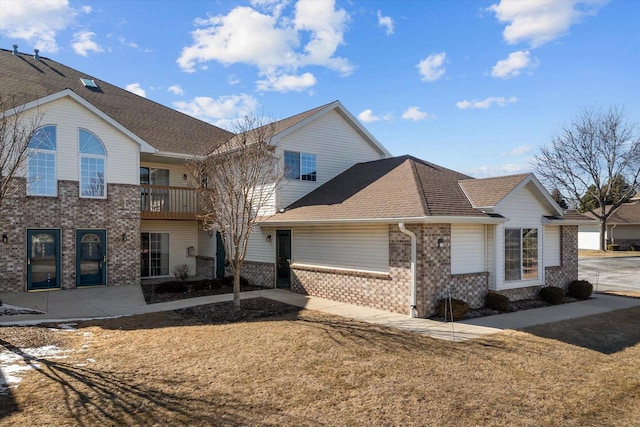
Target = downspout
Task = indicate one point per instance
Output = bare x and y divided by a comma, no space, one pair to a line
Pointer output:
414,284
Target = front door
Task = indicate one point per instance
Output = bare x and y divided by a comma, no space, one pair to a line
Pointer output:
43,259
283,258
91,258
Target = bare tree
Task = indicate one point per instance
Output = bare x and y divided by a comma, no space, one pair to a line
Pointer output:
16,130
589,156
236,185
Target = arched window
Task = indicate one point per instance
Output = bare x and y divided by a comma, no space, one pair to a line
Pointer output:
92,165
41,164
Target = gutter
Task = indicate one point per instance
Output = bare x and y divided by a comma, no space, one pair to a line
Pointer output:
413,306
274,221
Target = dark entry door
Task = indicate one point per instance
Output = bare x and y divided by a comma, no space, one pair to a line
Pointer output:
43,259
91,257
283,258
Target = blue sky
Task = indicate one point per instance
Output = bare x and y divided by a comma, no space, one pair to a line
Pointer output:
476,86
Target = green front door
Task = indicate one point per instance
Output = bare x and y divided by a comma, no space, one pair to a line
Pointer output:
43,259
91,258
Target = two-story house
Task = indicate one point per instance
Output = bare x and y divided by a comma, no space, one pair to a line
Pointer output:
105,201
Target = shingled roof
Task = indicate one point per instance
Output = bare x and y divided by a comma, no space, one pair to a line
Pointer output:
26,79
625,214
488,192
392,188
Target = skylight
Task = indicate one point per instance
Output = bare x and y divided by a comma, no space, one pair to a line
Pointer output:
89,83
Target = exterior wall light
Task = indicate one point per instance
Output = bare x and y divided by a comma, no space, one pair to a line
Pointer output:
5,238
124,237
269,238
441,242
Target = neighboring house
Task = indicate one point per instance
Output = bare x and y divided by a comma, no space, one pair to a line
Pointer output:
105,202
623,228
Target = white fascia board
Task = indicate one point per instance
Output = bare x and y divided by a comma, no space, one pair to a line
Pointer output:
144,146
541,190
547,221
408,220
177,155
336,105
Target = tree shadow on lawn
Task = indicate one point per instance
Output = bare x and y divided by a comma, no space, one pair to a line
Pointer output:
606,333
92,397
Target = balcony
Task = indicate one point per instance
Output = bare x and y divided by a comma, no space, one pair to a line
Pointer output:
165,202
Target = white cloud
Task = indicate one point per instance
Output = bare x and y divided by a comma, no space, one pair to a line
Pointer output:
135,88
271,42
511,66
86,9
286,83
518,151
233,79
82,43
36,21
485,103
540,21
432,67
414,113
221,112
385,22
367,116
176,90
508,169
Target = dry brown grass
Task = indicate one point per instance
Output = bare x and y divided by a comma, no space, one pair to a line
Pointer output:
313,369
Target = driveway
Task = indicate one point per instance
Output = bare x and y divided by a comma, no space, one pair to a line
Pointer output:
611,274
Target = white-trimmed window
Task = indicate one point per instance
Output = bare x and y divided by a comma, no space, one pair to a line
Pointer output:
300,166
520,254
42,178
92,165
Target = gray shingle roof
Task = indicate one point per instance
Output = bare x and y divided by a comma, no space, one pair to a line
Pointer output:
626,214
488,192
163,128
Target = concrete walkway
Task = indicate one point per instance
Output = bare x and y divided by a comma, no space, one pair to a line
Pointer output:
92,303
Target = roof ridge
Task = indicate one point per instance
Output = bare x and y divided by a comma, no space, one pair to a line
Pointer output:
416,178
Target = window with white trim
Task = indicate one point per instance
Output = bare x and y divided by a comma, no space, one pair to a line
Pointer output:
520,254
41,163
300,166
92,165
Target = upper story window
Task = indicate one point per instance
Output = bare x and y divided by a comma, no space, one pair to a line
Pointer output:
92,165
520,254
300,166
41,165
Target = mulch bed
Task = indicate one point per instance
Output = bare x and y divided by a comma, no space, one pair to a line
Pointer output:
176,290
226,312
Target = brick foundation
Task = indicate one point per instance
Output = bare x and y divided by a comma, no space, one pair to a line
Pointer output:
205,266
259,273
119,214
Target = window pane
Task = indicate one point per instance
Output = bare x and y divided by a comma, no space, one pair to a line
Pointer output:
159,254
89,144
512,263
44,139
42,174
159,176
92,177
291,165
529,253
308,167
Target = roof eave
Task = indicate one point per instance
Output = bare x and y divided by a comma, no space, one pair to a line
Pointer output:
274,222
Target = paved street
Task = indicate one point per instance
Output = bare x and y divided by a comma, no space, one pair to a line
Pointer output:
611,274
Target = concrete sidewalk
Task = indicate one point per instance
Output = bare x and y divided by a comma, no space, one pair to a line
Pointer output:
92,303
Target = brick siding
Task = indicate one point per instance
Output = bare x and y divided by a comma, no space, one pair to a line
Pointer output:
118,214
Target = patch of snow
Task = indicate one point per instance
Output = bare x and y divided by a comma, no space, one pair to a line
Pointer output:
14,365
10,310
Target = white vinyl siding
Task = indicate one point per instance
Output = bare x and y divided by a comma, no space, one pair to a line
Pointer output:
182,234
206,243
337,146
259,249
468,249
68,116
524,211
363,248
551,246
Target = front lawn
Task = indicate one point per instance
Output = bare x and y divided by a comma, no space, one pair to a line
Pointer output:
305,368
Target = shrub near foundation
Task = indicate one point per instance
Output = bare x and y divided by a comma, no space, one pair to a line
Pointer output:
580,289
496,301
552,294
460,308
